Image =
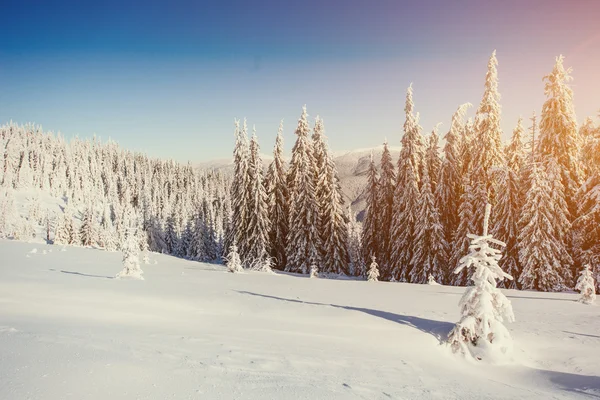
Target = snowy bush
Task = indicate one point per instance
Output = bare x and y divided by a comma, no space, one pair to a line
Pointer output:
373,274
314,271
131,258
480,333
233,260
586,286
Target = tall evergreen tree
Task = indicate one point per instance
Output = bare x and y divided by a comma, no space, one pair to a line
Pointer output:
509,207
488,145
239,187
303,238
430,255
558,131
540,250
385,203
370,231
460,243
258,222
450,177
432,158
278,203
406,195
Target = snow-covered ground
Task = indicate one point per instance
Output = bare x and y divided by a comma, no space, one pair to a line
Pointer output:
193,331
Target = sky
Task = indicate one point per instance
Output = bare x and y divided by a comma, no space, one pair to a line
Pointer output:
168,78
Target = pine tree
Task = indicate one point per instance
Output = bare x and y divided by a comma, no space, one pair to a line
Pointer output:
335,257
509,206
431,250
433,159
258,219
357,265
239,187
303,238
406,195
88,232
460,242
385,205
588,224
171,238
131,257
586,286
480,333
278,203
373,274
540,253
488,155
370,232
558,131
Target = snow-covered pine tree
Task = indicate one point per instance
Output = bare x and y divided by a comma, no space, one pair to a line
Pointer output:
558,131
8,213
480,333
432,158
258,226
586,286
430,254
171,238
303,238
373,274
587,224
131,257
277,192
357,265
487,144
314,271
89,232
332,218
509,203
239,188
450,180
234,264
385,203
540,251
406,195
335,231
460,242
370,232
589,135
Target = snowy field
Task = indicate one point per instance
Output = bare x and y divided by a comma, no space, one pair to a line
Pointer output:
192,331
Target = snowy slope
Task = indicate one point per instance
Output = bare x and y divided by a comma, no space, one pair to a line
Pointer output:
192,331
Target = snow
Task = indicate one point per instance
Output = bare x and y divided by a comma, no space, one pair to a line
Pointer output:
68,330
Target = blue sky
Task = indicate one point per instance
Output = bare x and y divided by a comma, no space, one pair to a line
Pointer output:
169,78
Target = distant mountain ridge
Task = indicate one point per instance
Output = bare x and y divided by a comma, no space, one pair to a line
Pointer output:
351,165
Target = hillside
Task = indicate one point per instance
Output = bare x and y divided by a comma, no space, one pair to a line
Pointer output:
191,330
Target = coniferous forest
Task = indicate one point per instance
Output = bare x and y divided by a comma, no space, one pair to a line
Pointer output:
543,186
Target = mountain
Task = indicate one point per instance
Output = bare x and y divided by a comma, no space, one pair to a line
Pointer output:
352,168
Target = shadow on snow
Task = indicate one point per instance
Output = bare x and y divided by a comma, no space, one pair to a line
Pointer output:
437,329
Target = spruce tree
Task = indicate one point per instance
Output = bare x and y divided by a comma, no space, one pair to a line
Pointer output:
558,131
406,195
488,155
357,265
258,216
370,232
430,255
335,257
373,274
509,206
480,333
460,242
277,190
88,233
432,158
239,187
450,180
303,238
385,205
586,286
540,252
